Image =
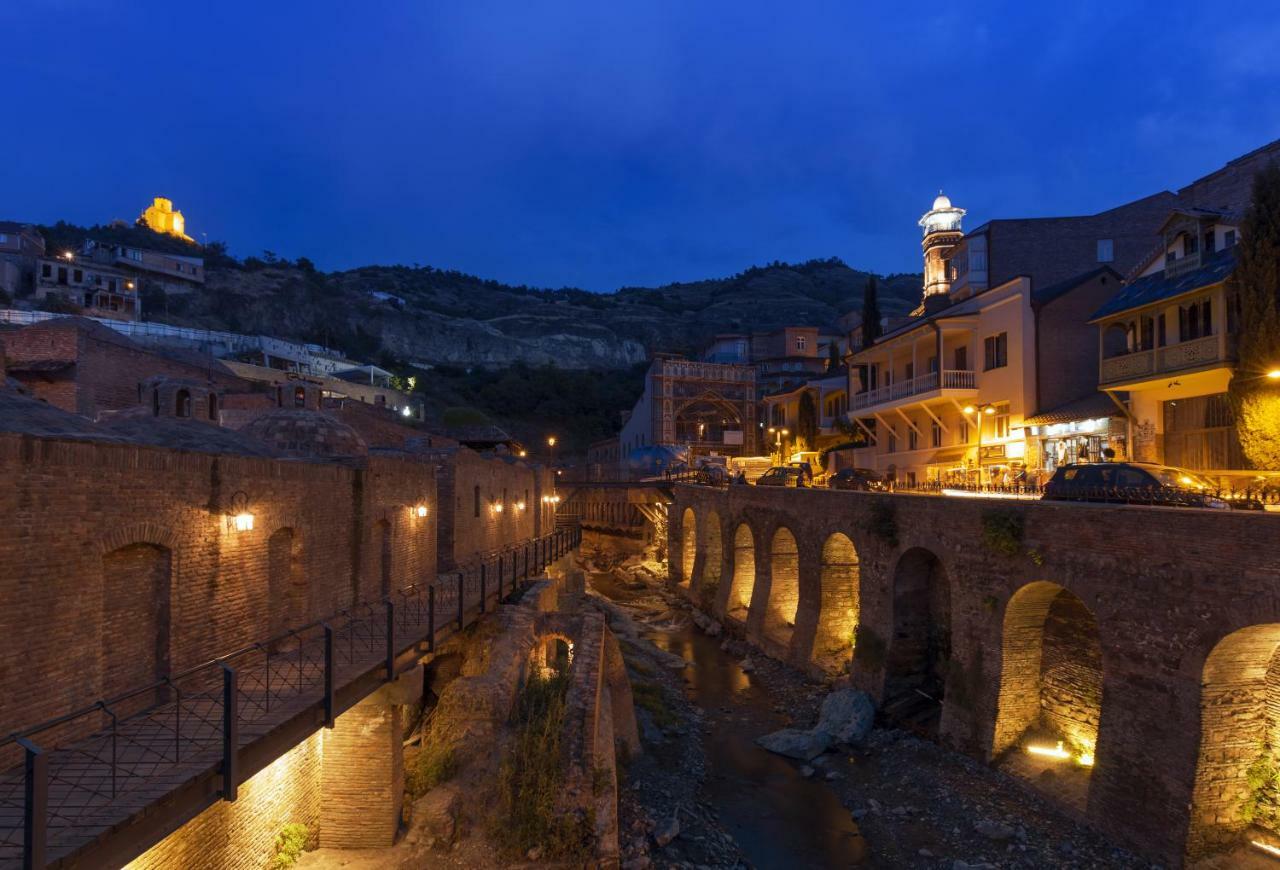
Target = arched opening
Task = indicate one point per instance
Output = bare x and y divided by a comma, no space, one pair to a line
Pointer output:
688,545
182,403
743,582
1050,690
1116,340
286,585
920,651
784,588
838,607
1239,759
384,558
135,621
712,557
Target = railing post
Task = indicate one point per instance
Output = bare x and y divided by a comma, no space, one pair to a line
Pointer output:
35,816
391,640
431,618
230,734
328,676
482,584
461,608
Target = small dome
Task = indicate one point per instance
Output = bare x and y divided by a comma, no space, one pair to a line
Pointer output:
941,201
306,433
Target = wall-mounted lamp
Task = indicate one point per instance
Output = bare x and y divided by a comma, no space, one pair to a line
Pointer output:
420,511
238,517
520,505
496,507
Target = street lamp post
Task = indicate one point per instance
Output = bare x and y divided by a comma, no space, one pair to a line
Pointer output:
778,435
976,412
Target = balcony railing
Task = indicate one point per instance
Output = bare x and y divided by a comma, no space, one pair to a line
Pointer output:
951,379
1172,358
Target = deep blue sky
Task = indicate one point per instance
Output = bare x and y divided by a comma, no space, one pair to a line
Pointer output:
601,144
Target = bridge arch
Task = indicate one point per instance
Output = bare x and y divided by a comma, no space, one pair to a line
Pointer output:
712,549
919,654
784,588
1050,688
742,582
838,603
688,545
1235,780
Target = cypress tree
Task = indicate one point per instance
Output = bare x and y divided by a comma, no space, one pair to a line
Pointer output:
1254,290
870,314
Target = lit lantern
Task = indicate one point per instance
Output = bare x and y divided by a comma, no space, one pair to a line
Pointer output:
420,510
239,516
520,505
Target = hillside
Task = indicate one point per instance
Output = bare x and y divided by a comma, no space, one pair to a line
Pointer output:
399,314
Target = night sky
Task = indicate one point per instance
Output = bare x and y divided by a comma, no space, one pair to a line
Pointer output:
605,144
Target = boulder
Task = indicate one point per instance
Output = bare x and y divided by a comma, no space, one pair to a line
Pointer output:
794,743
435,814
846,716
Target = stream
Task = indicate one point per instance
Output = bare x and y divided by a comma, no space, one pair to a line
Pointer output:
778,817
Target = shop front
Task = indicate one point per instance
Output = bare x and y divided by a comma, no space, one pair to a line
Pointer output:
1087,431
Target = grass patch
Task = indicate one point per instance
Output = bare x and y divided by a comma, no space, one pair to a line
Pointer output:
531,780
435,762
650,697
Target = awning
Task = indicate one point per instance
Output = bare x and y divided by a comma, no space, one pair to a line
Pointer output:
948,456
1091,407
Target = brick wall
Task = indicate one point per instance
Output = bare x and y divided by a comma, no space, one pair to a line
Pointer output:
241,835
472,485
1187,616
1067,344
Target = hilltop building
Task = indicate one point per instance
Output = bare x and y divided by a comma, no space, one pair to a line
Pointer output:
161,217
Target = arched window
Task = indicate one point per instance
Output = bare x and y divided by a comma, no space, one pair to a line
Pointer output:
213,408
182,404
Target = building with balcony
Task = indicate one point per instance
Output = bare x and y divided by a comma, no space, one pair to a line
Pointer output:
97,290
780,417
1166,349
952,393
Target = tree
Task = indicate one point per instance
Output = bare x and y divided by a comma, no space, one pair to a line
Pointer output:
870,314
833,357
807,421
1254,289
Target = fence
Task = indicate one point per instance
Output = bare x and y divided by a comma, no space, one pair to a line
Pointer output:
89,770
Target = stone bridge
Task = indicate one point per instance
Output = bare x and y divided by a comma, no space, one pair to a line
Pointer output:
1120,659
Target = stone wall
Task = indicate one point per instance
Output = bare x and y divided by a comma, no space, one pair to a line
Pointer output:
1160,602
475,486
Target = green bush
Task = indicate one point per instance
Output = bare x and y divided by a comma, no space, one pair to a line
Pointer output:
290,843
435,763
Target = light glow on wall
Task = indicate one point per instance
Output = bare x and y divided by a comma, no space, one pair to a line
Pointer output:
420,510
243,522
1049,751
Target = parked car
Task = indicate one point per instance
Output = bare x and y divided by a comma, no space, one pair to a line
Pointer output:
856,478
1138,483
784,475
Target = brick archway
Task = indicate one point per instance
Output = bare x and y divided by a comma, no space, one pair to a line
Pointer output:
838,603
138,533
742,581
1239,740
784,588
919,655
711,549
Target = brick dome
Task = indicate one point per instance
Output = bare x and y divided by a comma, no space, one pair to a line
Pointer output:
307,433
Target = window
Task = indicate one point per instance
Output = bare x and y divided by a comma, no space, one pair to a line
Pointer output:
933,365
1208,242
996,350
962,432
475,508
1000,421
1106,250
1195,320
910,371
893,439
111,285
935,434
182,404
45,270
802,342
913,438
299,397
1190,244
962,358
62,274
1228,238
1160,331
77,275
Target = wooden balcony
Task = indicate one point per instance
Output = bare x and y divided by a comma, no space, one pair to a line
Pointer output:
1140,365
932,382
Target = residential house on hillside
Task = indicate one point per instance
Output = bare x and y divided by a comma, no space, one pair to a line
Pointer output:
97,290
21,245
172,273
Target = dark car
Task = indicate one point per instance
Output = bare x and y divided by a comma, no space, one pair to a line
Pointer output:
1138,483
783,475
856,478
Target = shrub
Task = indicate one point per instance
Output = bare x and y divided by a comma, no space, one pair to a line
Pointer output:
290,843
435,763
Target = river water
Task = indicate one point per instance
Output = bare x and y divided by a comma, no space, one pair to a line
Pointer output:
777,816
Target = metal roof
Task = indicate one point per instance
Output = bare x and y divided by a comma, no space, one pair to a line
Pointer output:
1143,291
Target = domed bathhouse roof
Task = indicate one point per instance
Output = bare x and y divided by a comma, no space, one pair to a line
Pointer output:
307,434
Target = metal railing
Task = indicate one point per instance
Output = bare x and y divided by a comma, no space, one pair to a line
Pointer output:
93,767
947,379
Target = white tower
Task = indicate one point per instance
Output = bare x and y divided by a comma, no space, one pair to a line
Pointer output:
941,226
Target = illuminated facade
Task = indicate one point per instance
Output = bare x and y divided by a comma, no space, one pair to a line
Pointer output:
941,225
161,217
